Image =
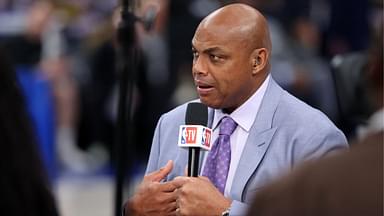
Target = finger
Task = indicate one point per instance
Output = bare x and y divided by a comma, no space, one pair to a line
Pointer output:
204,178
180,181
168,208
172,213
172,207
177,212
168,186
161,173
170,196
186,170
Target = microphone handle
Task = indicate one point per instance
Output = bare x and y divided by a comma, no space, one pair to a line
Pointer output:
193,161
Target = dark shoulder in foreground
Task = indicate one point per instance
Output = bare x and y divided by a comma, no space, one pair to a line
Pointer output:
349,183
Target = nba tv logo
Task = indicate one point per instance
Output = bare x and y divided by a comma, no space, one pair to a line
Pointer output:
189,135
195,136
206,138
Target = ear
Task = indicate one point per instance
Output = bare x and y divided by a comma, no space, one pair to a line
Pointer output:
259,60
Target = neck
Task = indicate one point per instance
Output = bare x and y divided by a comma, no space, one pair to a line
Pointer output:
258,82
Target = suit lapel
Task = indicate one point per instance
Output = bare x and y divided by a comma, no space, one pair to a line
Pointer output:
258,140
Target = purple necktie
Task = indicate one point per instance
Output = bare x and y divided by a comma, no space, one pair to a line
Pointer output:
218,160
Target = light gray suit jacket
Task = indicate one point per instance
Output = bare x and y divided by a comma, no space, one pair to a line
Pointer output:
286,131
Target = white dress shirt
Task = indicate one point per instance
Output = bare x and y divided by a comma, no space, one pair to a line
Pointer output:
244,116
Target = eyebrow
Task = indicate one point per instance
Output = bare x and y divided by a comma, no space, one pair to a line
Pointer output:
209,50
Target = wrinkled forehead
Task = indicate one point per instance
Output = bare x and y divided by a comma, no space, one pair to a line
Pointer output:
221,34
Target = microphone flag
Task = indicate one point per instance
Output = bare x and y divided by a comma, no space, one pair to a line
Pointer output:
195,136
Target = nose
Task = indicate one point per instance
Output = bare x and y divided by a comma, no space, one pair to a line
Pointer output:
199,66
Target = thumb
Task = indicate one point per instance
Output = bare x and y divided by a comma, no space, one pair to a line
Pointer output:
160,174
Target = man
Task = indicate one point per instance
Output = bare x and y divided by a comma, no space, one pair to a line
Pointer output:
350,183
271,130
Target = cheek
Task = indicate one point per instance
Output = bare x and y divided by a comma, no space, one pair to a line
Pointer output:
234,85
225,86
227,79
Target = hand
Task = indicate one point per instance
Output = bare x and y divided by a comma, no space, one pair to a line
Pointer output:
154,197
198,196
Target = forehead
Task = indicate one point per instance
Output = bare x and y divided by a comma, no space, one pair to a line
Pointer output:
218,36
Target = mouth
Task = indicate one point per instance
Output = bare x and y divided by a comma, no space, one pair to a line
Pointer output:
203,88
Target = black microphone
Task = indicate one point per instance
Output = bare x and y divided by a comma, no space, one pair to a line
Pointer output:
197,114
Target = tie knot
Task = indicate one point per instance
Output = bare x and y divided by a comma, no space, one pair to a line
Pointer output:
227,126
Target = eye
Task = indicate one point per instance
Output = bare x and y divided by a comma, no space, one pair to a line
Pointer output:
214,58
195,54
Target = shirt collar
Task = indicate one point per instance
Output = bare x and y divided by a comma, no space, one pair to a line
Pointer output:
244,115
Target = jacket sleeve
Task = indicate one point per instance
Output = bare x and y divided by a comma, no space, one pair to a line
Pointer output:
238,208
322,143
153,162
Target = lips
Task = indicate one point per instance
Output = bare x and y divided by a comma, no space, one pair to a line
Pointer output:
203,87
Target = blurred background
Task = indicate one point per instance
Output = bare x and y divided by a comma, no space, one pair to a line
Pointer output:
63,54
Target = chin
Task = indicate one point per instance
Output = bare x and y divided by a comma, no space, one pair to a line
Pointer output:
210,103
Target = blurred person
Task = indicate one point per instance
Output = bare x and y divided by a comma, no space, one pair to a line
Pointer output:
156,77
26,49
297,64
355,106
272,130
24,187
350,183
348,29
99,91
352,88
312,79
184,16
40,51
55,66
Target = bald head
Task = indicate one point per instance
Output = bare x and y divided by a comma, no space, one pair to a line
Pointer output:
231,50
239,22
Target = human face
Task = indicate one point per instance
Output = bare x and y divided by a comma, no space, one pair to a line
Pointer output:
222,69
